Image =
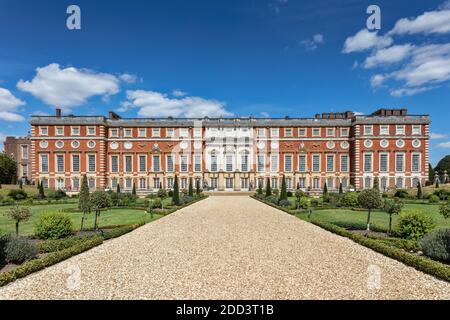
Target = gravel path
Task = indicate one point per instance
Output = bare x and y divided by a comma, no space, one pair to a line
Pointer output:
229,248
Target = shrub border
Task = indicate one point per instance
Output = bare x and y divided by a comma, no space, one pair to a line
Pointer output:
52,258
421,263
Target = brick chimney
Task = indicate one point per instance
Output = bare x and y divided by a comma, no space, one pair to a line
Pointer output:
58,112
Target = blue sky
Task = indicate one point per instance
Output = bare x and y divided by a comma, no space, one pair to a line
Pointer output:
188,58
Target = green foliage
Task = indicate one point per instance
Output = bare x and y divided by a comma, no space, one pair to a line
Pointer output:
118,188
442,194
430,172
3,242
8,168
156,203
316,202
289,194
100,200
370,199
276,192
61,244
53,225
18,250
376,183
18,214
176,192
341,190
162,193
433,199
272,199
285,203
444,209
401,194
198,190
133,192
117,232
419,191
259,191
443,165
17,194
413,225
56,194
325,189
436,245
350,200
304,203
84,203
268,188
191,188
41,194
283,194
170,193
437,184
392,207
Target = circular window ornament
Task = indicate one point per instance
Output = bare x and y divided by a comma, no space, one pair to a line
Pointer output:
59,144
43,144
128,145
345,145
261,145
184,145
114,145
368,143
274,145
384,143
197,145
416,143
75,144
330,145
400,143
91,144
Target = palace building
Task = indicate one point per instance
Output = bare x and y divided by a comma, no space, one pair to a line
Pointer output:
231,154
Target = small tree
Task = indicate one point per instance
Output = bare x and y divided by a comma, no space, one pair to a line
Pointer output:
41,191
283,194
299,194
325,189
191,188
118,188
419,191
38,185
84,203
444,209
392,207
376,183
369,199
260,189
176,192
18,214
99,200
197,188
268,188
341,190
20,184
133,192
437,183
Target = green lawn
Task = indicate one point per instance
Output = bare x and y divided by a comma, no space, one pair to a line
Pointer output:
379,219
31,190
107,218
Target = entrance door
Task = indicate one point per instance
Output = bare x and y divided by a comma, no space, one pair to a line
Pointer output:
229,183
244,183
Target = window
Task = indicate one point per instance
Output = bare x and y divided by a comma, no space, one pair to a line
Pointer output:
91,183
399,183
75,131
128,183
384,162
128,133
43,131
156,183
368,183
24,151
302,163
156,132
384,182
330,183
415,183
229,183
115,164
330,163
274,163
261,132
400,130
170,183
60,184
183,163
114,184
330,132
344,132
169,163
114,133
128,164
368,162
44,163
75,163
142,133
302,183
316,183
288,132
244,183
229,163
213,163
169,132
184,183
156,163
400,162
142,183
44,183
368,130
344,183
261,163
384,130
274,183
316,163
302,132
344,163
274,132
197,163
142,163
197,132
416,130
91,131
59,131
184,132
415,162
24,170
214,183
91,163
288,163
316,132
289,183
75,184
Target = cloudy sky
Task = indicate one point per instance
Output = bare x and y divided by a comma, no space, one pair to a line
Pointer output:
225,58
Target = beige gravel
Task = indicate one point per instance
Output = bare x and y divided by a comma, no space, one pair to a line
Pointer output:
228,248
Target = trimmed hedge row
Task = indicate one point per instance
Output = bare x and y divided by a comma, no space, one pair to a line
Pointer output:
115,233
61,244
51,259
421,263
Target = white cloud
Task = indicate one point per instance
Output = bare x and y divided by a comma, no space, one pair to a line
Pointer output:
155,104
436,136
318,38
377,80
129,78
444,145
69,87
388,56
409,91
8,106
313,43
179,93
429,22
265,114
445,5
365,40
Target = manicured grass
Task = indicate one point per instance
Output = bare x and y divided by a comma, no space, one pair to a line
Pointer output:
380,220
31,190
107,218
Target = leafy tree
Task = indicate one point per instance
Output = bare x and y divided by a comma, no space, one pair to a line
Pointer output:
133,192
376,183
419,191
99,200
444,209
304,203
369,199
118,188
392,207
8,168
268,188
443,165
260,189
176,192
430,173
84,202
414,225
325,189
191,189
18,214
299,194
341,190
283,194
41,191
